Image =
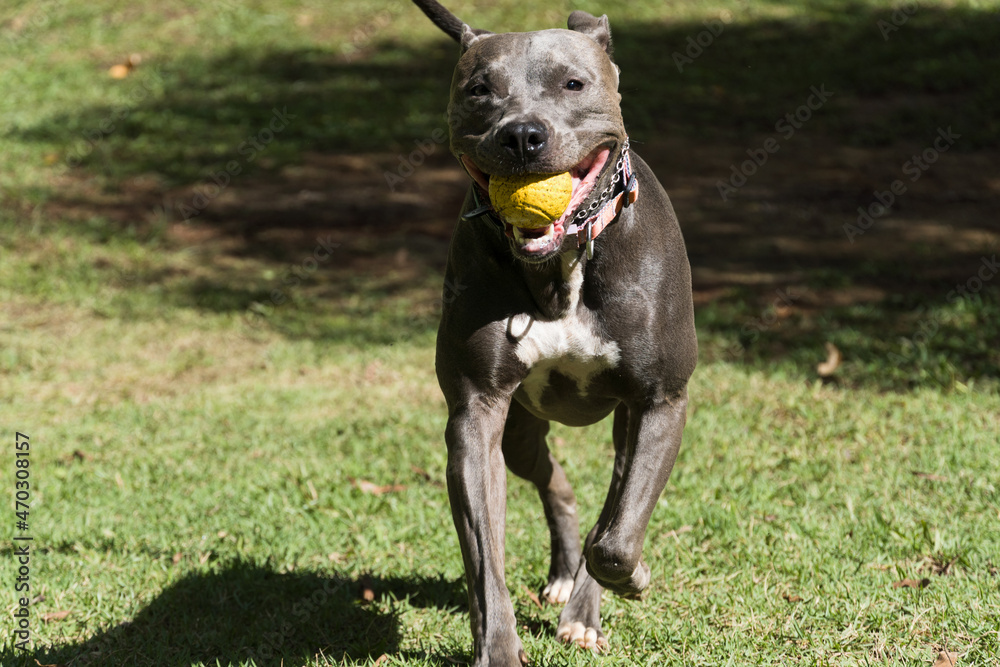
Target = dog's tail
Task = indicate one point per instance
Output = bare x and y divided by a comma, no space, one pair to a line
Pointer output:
442,18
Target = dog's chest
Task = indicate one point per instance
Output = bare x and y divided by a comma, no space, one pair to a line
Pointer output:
569,346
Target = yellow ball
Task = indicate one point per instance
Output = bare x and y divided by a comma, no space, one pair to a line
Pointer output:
532,200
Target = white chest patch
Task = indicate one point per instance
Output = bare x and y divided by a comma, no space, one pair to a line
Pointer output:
568,345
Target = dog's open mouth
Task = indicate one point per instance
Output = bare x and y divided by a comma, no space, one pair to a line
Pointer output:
537,244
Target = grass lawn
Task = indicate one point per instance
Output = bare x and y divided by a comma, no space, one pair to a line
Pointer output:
236,448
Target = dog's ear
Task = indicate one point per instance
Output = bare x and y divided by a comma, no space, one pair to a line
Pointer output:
598,29
470,36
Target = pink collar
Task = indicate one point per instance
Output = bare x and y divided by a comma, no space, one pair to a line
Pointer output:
586,227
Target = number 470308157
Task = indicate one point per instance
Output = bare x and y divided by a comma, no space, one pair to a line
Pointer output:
21,463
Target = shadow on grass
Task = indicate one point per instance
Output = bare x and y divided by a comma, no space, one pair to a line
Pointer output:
313,134
246,612
196,114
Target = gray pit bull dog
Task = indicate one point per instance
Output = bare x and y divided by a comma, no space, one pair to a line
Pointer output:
588,316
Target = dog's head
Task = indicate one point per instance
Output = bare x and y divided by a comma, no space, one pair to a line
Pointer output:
542,102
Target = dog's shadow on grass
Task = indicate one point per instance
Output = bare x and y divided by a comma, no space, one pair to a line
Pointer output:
248,614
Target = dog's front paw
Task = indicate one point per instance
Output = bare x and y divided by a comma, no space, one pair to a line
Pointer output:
501,650
497,660
583,636
558,590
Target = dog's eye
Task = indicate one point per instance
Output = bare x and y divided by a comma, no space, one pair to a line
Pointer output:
479,90
574,84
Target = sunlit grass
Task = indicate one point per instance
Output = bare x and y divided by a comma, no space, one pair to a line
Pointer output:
197,448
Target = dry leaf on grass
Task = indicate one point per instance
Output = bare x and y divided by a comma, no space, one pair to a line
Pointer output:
946,659
382,658
940,567
791,598
177,557
54,616
77,455
426,476
832,363
678,531
927,475
912,583
534,598
364,486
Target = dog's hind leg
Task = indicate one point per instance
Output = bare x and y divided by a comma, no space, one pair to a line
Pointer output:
527,456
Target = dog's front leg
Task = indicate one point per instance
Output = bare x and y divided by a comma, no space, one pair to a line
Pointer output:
614,554
477,488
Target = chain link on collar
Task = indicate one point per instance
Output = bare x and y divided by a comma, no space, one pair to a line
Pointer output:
591,209
609,203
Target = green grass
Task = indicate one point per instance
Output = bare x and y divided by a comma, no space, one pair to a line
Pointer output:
196,447
239,460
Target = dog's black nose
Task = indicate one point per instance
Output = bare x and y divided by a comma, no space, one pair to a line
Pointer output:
523,140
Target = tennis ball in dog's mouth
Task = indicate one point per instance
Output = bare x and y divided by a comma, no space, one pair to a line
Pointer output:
531,201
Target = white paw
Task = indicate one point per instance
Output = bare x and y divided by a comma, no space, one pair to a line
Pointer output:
584,637
558,591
